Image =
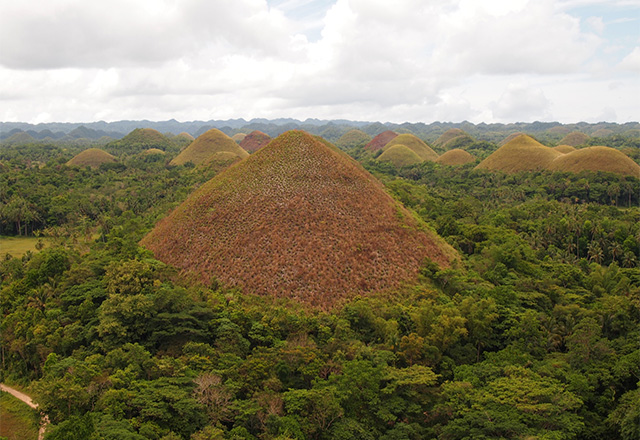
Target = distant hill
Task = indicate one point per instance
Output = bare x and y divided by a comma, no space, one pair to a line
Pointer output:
448,135
414,143
564,149
400,156
597,158
208,143
93,157
352,139
254,141
238,137
574,139
522,153
379,141
297,219
455,157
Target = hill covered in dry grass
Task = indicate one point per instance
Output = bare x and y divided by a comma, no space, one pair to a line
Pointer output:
353,138
207,144
414,143
297,219
597,158
574,139
379,141
93,157
400,156
523,153
254,141
564,149
455,157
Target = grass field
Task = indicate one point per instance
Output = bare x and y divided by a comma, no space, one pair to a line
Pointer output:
17,420
17,246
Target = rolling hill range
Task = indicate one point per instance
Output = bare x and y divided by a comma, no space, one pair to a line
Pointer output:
93,157
211,142
522,153
297,219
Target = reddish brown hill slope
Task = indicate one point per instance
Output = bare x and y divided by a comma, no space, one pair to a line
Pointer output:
297,219
378,142
254,141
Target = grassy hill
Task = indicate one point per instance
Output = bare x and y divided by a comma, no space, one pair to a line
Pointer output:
353,138
238,137
207,144
400,156
564,149
574,139
297,219
597,158
93,157
379,141
522,153
254,141
414,143
455,157
449,135
153,151
511,137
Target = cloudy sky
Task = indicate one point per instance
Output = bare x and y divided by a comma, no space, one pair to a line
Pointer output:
375,60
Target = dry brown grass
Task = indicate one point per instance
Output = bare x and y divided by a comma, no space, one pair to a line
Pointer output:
153,151
147,136
455,157
207,144
254,141
93,157
564,149
238,137
400,156
379,141
297,219
185,135
448,135
353,138
511,137
574,139
414,143
596,159
522,153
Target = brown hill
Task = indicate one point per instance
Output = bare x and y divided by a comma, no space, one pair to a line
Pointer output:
455,157
414,143
254,141
297,219
400,156
596,159
207,144
353,138
238,137
511,137
448,135
147,136
93,157
574,139
520,154
153,151
185,135
564,149
378,142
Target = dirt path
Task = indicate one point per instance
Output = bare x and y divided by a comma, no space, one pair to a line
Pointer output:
26,399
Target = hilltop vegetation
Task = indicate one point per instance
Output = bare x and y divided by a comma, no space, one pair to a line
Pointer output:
533,334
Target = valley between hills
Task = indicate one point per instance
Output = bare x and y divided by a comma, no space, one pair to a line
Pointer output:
321,280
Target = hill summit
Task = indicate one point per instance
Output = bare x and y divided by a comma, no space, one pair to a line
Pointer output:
254,141
522,153
206,145
93,157
297,219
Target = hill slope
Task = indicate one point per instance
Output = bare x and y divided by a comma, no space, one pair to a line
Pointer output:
353,138
414,143
208,143
400,156
455,157
574,139
522,153
297,219
596,159
93,157
254,141
379,141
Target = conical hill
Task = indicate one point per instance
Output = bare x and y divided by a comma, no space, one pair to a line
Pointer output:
414,143
353,138
207,144
379,141
455,157
93,157
564,149
597,158
400,156
574,139
254,141
449,135
522,153
297,219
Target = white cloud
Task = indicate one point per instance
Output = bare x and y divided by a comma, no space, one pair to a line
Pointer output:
632,61
520,103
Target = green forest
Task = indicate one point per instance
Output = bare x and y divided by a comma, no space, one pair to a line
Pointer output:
533,335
